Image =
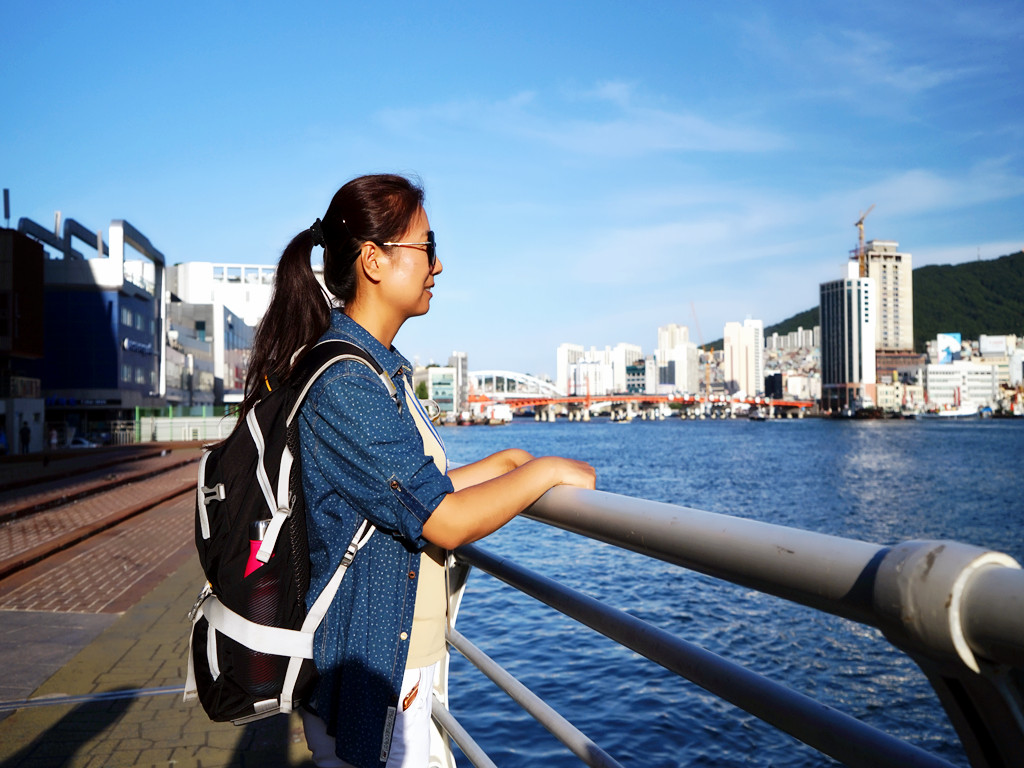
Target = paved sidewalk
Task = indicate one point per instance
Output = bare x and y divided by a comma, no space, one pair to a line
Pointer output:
105,621
142,649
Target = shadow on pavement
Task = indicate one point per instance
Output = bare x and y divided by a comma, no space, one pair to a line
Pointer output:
73,733
90,732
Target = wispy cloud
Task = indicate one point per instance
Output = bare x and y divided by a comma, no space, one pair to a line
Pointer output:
693,229
871,61
918,191
619,124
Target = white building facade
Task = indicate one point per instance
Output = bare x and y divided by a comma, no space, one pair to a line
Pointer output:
961,382
675,361
743,364
847,310
894,295
623,355
566,355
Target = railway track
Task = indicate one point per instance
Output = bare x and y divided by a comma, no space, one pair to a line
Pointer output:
83,541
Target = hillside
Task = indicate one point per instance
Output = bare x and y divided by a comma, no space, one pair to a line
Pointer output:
971,299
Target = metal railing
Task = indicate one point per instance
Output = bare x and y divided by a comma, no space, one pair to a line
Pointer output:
955,609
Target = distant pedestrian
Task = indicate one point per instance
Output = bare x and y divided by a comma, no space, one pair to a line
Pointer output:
53,439
25,433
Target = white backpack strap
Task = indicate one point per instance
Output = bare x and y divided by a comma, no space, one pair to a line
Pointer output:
365,358
279,509
284,506
261,471
190,692
319,609
205,495
258,637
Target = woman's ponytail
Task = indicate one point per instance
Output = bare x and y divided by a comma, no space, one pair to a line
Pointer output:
298,315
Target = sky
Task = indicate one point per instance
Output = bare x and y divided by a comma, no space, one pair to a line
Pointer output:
593,170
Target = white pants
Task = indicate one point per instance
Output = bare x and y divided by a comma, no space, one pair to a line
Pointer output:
410,743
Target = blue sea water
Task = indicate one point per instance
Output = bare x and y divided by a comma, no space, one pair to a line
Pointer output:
878,481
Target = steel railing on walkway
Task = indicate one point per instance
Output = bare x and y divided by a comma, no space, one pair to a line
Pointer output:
955,609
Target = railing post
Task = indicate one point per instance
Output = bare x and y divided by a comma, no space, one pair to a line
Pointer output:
925,606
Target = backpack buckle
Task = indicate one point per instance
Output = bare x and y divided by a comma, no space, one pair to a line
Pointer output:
213,494
204,594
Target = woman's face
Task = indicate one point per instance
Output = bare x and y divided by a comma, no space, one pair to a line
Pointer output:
410,277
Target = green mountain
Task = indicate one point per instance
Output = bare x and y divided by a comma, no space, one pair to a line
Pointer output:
971,299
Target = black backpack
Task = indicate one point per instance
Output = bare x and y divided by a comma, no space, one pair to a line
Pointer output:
251,647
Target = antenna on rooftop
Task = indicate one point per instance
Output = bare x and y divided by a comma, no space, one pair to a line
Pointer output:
7,206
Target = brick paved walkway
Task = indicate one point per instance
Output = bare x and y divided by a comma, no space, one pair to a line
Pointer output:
144,648
14,501
108,615
20,469
22,539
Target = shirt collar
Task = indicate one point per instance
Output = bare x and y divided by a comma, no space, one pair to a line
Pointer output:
391,360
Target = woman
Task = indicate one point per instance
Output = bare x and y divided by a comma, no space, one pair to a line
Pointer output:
364,457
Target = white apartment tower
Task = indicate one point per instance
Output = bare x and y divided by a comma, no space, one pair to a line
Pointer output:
894,294
565,357
743,349
676,360
622,356
848,336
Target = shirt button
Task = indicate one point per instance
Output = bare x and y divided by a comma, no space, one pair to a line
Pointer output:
404,635
394,484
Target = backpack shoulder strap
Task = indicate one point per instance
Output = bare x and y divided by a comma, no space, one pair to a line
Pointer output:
325,354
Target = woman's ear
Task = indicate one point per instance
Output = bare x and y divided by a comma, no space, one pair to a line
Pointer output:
370,257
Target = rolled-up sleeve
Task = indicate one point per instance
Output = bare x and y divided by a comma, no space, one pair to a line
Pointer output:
368,452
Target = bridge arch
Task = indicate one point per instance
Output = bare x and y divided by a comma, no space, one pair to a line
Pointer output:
499,385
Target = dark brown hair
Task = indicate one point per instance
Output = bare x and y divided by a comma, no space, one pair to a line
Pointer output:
375,208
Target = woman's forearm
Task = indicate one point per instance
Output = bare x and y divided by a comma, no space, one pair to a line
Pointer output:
480,509
487,469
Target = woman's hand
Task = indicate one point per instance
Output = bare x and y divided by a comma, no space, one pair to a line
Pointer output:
578,474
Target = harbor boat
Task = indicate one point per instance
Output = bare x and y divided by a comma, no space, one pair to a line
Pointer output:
959,410
962,411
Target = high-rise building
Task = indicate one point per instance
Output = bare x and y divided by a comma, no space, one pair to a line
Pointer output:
676,360
847,311
623,355
743,364
565,356
459,361
894,293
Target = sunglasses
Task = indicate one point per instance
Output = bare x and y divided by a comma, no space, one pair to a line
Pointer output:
431,248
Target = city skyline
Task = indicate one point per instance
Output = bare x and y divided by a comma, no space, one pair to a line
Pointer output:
591,172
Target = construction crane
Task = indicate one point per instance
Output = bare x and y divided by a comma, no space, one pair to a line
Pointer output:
862,264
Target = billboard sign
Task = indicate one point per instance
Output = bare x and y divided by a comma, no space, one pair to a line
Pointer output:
948,345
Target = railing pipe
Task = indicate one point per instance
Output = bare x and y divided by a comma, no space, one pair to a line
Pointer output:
828,573
993,615
827,730
567,733
956,609
813,569
460,736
